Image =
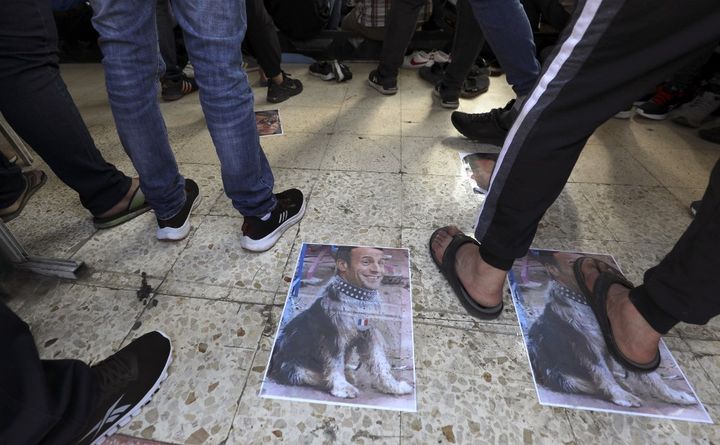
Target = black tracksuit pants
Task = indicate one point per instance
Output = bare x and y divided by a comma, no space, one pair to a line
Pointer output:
41,401
36,103
261,38
610,51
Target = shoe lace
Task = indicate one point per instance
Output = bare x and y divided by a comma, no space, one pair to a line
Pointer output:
493,114
113,373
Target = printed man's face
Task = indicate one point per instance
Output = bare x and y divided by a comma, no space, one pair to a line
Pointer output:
366,268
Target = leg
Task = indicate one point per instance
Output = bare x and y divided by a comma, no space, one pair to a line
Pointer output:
44,401
466,47
128,38
36,103
262,38
12,183
507,30
166,41
213,35
399,28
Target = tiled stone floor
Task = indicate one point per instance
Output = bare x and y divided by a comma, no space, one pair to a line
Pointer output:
377,170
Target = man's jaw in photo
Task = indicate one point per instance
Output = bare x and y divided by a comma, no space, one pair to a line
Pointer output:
365,269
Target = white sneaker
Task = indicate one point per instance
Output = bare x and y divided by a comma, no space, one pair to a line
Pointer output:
189,70
417,60
697,112
439,56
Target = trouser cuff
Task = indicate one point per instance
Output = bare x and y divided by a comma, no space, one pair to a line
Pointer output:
496,261
660,320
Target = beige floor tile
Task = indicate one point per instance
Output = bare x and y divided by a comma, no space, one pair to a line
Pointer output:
295,150
315,119
381,121
677,167
426,122
437,156
356,199
435,201
82,322
625,210
608,165
214,257
687,195
213,345
363,153
133,248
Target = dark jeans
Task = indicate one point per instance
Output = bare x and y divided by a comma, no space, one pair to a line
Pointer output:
466,47
166,41
618,59
41,401
261,38
35,102
551,11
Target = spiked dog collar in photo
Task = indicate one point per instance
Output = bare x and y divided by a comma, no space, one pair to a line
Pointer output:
358,293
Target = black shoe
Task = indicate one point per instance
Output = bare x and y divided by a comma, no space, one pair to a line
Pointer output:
448,98
323,70
126,381
178,227
433,73
385,85
259,235
488,128
341,72
176,89
665,99
288,88
710,134
476,82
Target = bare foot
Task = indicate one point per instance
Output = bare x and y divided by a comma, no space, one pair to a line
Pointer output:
483,282
124,203
635,338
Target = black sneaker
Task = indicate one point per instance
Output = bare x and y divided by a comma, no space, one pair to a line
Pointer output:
385,85
288,88
176,89
488,128
663,101
341,72
433,73
126,381
178,227
323,70
448,98
476,82
259,235
710,134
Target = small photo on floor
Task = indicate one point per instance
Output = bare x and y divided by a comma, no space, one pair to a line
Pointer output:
268,123
346,334
568,355
478,168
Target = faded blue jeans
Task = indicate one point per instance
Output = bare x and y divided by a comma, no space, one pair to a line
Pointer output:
214,31
507,30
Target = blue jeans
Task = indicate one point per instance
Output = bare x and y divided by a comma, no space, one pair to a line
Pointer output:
507,31
214,30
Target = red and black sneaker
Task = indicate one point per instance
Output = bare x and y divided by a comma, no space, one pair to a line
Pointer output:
176,89
260,235
665,99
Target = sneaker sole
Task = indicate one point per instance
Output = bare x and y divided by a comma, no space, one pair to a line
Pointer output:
177,234
329,76
448,105
121,422
383,90
626,114
655,117
263,244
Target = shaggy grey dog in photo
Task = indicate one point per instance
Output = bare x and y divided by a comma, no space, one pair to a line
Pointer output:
314,347
568,352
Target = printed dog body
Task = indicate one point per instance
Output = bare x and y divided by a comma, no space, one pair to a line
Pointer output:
316,344
568,353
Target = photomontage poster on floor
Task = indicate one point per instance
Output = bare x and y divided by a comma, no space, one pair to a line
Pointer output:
345,336
568,356
268,123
